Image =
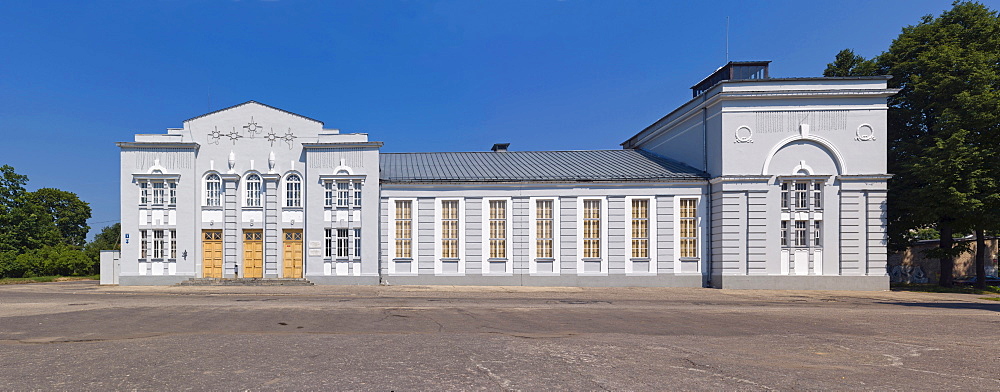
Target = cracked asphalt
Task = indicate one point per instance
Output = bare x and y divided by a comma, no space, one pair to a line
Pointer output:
81,336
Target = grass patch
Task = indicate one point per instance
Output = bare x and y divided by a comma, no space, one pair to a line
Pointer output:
46,279
991,298
933,288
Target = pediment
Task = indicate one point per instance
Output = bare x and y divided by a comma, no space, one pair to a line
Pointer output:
252,123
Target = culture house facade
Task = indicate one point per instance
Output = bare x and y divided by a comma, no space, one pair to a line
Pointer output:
756,182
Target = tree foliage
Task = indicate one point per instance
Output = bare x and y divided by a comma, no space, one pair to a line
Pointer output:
41,232
943,125
847,63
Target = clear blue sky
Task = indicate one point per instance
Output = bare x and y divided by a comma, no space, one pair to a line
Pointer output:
78,76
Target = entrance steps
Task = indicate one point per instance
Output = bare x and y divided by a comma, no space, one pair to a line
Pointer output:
245,282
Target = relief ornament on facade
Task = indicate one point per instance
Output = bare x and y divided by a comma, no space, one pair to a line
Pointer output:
864,133
744,135
252,128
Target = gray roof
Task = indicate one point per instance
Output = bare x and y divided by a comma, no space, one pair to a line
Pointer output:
517,166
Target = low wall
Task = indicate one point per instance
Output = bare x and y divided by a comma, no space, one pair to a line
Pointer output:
913,266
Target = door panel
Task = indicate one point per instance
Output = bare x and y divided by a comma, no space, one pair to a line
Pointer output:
253,254
292,256
211,259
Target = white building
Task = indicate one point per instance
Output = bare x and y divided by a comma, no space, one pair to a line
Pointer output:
757,182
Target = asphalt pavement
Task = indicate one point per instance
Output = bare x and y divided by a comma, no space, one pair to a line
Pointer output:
81,336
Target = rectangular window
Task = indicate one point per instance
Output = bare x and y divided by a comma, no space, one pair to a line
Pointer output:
158,244
253,191
689,228
801,195
449,229
158,193
544,228
343,244
343,192
357,194
817,196
404,229
591,229
784,196
357,243
816,233
144,192
328,195
498,229
800,233
640,228
329,243
784,233
145,246
173,244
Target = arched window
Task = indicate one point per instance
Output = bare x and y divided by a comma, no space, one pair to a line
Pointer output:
213,190
253,191
293,191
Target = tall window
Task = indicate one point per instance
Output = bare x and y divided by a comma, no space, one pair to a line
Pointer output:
343,243
343,193
158,192
543,229
404,229
145,245
328,193
357,194
689,227
592,229
144,192
293,191
800,199
173,192
213,190
329,243
449,229
498,229
253,191
640,228
357,243
158,244
173,244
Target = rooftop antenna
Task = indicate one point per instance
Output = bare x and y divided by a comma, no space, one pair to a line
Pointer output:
727,40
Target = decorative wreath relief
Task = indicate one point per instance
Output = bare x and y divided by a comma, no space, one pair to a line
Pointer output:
865,133
744,135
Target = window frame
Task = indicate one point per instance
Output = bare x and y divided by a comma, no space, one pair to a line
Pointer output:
699,221
533,238
602,232
292,197
651,239
414,237
249,199
207,199
438,259
487,239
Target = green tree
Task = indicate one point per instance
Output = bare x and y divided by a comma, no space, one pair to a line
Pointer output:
943,125
69,214
108,239
849,64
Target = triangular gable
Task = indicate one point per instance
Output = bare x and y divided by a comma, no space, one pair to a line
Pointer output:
254,102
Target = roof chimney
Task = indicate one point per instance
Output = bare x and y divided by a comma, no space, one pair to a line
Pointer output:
500,147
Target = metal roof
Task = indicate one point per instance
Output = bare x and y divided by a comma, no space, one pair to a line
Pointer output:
518,166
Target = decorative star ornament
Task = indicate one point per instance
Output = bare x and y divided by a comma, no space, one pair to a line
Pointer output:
214,136
272,137
289,138
234,135
252,127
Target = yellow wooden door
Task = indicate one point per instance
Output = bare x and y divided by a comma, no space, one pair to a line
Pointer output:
211,259
253,254
293,254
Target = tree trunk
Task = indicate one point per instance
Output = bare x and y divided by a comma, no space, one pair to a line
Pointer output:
981,259
946,261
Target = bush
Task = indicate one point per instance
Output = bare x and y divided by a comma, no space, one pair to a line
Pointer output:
50,260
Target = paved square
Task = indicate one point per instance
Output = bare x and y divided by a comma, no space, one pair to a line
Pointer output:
80,336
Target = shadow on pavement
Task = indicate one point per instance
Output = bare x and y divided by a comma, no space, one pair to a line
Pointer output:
949,305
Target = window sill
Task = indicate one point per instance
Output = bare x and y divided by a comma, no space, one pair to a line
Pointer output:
689,259
211,208
545,260
287,208
403,259
497,260
640,259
